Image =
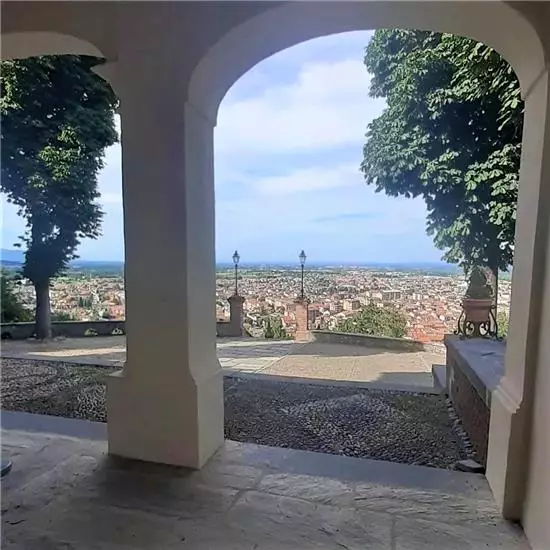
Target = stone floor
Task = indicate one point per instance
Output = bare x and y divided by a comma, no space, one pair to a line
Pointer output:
315,361
237,354
65,493
384,367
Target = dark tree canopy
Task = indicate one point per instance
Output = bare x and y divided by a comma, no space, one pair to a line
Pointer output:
11,308
375,321
57,120
451,133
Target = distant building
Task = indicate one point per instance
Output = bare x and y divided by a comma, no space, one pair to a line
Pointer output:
116,312
351,305
391,295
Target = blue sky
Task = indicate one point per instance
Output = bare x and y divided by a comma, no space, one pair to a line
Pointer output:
288,146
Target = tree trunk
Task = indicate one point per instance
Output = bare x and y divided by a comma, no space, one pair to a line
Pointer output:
492,278
43,320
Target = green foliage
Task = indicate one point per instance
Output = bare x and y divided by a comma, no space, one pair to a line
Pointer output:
59,316
274,329
11,308
375,321
478,288
451,134
84,302
268,329
502,323
57,120
279,331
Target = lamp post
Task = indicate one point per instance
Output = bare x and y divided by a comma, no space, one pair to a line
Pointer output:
236,259
302,257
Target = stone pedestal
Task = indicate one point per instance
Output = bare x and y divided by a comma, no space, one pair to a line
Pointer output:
302,327
474,370
236,315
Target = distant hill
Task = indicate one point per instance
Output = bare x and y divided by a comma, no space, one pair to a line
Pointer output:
13,258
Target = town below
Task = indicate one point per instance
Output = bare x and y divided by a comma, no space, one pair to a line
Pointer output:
429,300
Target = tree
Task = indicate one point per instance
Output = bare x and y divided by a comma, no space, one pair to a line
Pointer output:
268,329
11,308
451,133
84,302
375,321
57,120
279,331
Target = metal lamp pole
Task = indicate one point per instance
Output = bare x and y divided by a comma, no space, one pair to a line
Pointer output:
302,257
236,259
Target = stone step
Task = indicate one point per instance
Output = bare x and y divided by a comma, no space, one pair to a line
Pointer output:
439,373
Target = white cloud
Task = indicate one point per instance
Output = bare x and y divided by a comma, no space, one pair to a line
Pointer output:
287,169
309,179
322,211
327,106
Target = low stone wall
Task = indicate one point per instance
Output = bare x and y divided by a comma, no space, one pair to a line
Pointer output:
70,329
365,340
224,329
78,329
474,369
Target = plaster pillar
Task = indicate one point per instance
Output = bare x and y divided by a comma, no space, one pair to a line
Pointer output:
302,326
510,433
166,405
236,314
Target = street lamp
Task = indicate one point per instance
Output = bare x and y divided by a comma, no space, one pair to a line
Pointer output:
236,259
302,257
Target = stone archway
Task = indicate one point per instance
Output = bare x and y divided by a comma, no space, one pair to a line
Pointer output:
19,45
279,28
515,38
167,172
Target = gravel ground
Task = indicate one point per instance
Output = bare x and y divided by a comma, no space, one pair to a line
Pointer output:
54,387
403,427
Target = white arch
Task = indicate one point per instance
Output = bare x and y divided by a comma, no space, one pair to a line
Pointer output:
18,45
284,26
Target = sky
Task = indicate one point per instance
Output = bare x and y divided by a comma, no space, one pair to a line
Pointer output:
288,147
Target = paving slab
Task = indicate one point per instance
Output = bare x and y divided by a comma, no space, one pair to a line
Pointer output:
250,354
246,498
315,360
357,363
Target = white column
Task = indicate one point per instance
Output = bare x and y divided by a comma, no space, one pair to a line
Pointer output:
510,433
167,404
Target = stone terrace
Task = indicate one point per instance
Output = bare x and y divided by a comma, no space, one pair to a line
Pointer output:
315,360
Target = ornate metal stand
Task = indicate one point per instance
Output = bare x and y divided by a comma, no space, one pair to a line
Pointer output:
472,329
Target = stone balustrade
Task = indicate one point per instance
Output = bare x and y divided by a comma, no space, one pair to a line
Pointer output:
77,329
